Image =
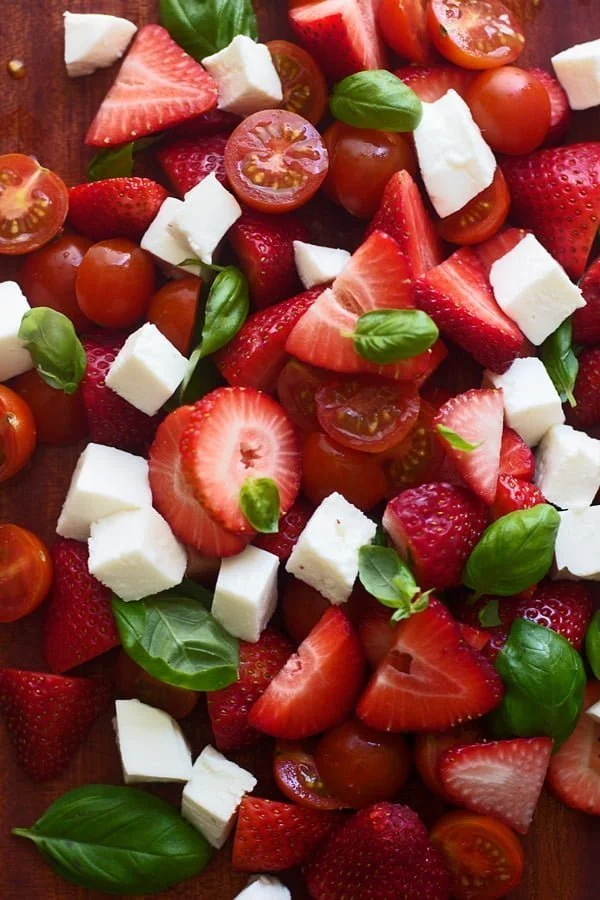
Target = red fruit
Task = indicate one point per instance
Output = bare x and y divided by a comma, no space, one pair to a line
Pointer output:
431,746
431,82
79,622
48,717
513,494
318,685
516,458
563,606
115,207
556,193
376,631
497,246
158,85
214,121
291,527
586,321
476,638
560,112
503,779
586,414
574,772
187,162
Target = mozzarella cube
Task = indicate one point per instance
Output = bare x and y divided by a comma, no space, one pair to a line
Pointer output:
212,796
264,887
246,592
455,161
593,712
326,553
105,481
567,468
207,214
577,549
94,41
162,242
531,402
151,744
14,358
578,70
246,77
534,290
136,554
318,265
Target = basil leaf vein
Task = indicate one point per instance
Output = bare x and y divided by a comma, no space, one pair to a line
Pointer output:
385,336
202,27
376,99
56,350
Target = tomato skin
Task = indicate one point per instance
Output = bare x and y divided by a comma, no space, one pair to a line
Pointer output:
33,204
296,388
25,572
329,467
297,777
415,460
475,34
114,283
173,309
403,26
304,86
302,606
17,433
430,746
134,682
481,218
59,417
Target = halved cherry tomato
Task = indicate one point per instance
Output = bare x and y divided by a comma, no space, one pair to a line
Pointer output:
134,682
114,283
403,25
481,218
484,858
429,748
303,84
296,388
59,417
416,459
302,606
275,161
329,467
25,572
17,433
297,777
33,204
475,34
173,310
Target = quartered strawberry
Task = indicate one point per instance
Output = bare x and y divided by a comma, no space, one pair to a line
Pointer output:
503,779
476,638
79,621
467,610
586,321
115,207
497,246
564,606
291,526
158,85
431,82
188,161
513,494
574,771
516,458
48,716
586,413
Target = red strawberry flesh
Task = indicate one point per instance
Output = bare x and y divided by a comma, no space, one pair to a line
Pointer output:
115,207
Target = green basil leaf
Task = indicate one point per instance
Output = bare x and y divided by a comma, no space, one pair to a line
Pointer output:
202,27
380,539
56,350
592,644
489,615
387,578
388,335
118,840
118,162
515,552
455,440
560,361
259,501
226,310
376,99
201,377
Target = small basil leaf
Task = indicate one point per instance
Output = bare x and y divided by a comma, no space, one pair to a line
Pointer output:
386,336
455,440
56,350
376,99
592,644
226,310
118,162
489,615
560,361
201,377
259,501
387,578
202,27
380,539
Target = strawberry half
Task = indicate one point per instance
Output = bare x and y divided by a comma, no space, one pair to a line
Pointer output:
560,111
291,526
187,162
431,82
586,321
513,494
516,458
574,772
115,207
498,246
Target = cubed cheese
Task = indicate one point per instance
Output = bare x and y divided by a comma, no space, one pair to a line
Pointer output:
94,41
135,554
567,469
151,744
246,77
147,370
14,358
162,242
531,402
455,161
534,290
105,481
578,70
326,553
318,265
208,212
264,887
211,798
246,592
577,549
593,712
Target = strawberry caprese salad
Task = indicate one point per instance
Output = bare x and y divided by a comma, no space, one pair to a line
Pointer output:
339,444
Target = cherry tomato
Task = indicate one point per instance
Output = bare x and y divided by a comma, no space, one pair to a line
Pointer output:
275,161
416,459
114,283
429,748
17,433
475,34
403,26
59,417
329,467
484,858
134,682
303,84
25,572
297,777
302,606
296,388
361,162
481,218
173,310
33,204
512,108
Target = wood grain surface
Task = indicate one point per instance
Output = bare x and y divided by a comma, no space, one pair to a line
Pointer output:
47,114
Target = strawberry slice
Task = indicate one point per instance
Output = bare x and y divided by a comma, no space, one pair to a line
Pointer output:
513,494
516,458
115,207
560,111
187,162
497,246
431,82
586,321
318,685
476,638
503,779
158,85
574,772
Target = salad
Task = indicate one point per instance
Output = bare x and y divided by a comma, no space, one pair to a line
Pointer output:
323,328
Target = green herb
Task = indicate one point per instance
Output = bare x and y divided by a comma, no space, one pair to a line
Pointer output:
489,615
592,644
560,361
118,161
202,377
455,440
56,350
376,99
202,27
388,335
259,501
384,575
380,539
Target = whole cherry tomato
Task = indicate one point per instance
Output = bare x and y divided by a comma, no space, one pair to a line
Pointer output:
302,606
114,283
134,682
403,25
482,217
59,417
25,572
304,87
329,467
475,34
173,309
296,776
33,204
17,433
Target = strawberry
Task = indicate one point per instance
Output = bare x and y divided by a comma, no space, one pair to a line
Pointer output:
48,716
503,779
556,193
173,497
435,526
291,526
188,161
214,121
560,112
512,494
318,685
79,622
158,85
586,321
457,374
376,631
516,458
476,638
586,414
497,246
431,82
115,207
563,606
380,853
431,746
228,708
574,772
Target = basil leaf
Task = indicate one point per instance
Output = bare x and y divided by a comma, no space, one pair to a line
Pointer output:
455,440
118,162
489,615
560,361
259,501
118,840
544,681
376,99
592,644
201,377
226,310
202,27
388,335
384,575
515,552
56,350
380,539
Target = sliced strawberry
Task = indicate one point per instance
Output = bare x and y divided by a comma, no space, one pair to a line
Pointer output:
158,85
560,111
291,527
375,631
497,246
574,772
586,321
586,413
513,494
115,207
476,638
503,779
516,458
187,162
431,82
431,746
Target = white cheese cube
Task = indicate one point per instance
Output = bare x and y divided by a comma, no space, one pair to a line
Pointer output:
208,212
105,481
534,290
578,70
567,469
211,798
264,887
326,553
531,402
94,41
14,358
455,161
593,712
162,242
246,592
246,77
577,549
136,554
318,265
151,744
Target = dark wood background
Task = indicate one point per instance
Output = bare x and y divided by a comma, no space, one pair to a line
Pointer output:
47,114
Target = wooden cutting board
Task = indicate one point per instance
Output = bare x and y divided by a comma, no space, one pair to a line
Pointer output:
47,114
